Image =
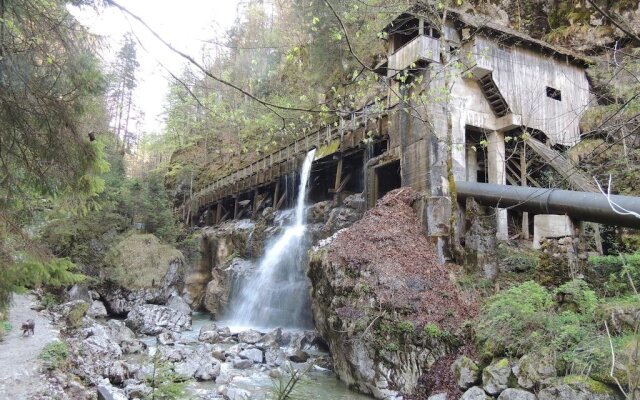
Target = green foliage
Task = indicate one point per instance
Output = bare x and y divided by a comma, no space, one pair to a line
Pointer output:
581,295
287,385
49,300
164,382
432,330
31,273
622,270
515,259
54,355
524,319
74,318
5,327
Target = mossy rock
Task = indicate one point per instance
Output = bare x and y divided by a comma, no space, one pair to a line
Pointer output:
76,313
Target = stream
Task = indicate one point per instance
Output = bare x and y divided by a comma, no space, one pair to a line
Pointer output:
318,383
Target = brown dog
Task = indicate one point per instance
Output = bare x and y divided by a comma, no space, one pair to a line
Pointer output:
28,327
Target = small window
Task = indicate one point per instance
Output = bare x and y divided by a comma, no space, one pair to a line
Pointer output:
554,93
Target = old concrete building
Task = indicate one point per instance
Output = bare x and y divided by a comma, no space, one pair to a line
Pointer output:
471,87
466,101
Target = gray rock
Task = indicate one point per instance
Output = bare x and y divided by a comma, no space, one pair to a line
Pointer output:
271,339
275,356
466,372
495,377
254,355
251,336
167,338
235,393
439,396
137,390
240,363
107,391
578,387
97,309
118,372
152,319
79,292
177,303
531,370
209,334
299,356
516,394
475,393
199,364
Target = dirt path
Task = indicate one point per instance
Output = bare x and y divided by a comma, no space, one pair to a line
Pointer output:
19,365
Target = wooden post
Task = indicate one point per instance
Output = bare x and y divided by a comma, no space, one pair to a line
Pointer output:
218,213
235,208
338,182
255,202
523,182
276,193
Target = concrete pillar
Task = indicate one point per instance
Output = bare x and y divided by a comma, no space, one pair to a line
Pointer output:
497,174
472,165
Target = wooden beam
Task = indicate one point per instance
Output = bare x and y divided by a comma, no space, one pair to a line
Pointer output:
340,188
279,203
236,206
523,182
276,193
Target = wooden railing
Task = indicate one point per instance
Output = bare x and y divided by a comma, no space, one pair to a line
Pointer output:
296,148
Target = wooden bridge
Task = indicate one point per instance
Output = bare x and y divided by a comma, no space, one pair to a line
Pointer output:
259,183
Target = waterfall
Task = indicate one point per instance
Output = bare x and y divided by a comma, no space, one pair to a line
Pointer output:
277,294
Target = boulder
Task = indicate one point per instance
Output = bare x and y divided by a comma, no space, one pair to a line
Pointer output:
199,364
475,393
240,363
120,298
79,292
209,334
465,372
118,372
137,390
531,370
167,338
439,396
93,356
251,336
299,357
151,319
235,393
72,312
177,303
578,387
275,356
516,394
108,392
97,309
254,355
497,376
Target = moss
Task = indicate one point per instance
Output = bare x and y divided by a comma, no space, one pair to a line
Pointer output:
140,261
328,149
74,318
54,355
583,380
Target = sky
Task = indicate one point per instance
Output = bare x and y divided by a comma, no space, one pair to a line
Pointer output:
186,24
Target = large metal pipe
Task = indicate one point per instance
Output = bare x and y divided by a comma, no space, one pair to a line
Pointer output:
583,206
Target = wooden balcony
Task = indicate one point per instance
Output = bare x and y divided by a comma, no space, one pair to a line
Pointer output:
420,49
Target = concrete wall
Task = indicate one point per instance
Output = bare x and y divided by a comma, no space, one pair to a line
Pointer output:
522,75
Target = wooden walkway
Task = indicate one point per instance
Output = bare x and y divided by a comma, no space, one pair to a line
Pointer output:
348,134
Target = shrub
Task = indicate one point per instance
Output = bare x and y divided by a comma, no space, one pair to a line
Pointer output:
5,327
620,269
524,319
581,297
54,355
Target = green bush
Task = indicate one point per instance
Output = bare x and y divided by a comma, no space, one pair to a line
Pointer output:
54,355
583,300
5,327
619,269
525,319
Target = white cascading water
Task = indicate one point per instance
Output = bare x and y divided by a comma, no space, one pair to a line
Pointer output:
277,295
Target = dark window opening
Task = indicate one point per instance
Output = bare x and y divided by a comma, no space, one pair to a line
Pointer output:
387,178
553,93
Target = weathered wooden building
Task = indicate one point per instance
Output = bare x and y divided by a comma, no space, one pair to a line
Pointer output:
467,100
